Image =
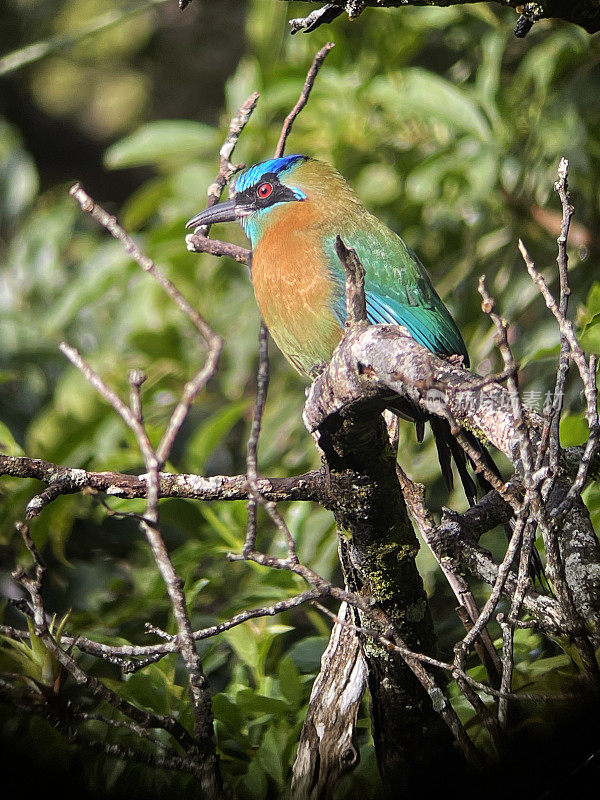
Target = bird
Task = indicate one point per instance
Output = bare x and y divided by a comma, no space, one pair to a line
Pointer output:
292,209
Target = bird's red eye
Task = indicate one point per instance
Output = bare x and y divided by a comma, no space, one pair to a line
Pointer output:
264,190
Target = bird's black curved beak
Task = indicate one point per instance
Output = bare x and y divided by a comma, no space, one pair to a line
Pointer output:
222,212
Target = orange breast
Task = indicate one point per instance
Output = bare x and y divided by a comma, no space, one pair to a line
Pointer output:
293,287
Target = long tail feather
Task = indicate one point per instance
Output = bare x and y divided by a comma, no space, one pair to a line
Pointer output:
442,437
484,453
448,450
458,454
536,568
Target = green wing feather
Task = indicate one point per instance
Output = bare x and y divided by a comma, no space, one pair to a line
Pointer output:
398,289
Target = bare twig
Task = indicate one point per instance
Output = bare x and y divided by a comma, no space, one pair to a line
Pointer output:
33,586
303,99
550,434
462,647
214,342
262,380
512,369
320,16
356,301
262,385
203,721
198,241
110,223
587,372
226,168
523,526
414,496
585,14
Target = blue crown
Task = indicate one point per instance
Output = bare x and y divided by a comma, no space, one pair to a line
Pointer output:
273,166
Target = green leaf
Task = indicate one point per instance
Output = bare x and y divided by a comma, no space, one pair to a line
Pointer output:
149,688
253,703
378,184
270,756
8,445
164,142
592,302
38,648
431,97
228,536
290,684
255,782
194,590
595,320
228,712
589,338
212,432
488,74
18,175
306,654
573,430
244,641
541,354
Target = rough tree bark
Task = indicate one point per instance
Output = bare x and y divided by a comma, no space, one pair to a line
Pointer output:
373,363
585,13
378,548
327,748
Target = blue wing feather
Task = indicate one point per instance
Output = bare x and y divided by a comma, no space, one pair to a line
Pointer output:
434,331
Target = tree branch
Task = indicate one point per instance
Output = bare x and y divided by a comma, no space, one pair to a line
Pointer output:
371,366
327,748
585,13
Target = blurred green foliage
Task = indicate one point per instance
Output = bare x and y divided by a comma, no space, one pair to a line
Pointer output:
451,131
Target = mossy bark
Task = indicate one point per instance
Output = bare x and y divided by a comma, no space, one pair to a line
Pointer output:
378,547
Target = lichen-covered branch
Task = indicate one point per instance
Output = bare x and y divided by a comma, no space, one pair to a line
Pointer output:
71,480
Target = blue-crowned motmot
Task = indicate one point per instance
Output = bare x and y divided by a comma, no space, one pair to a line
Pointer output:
292,209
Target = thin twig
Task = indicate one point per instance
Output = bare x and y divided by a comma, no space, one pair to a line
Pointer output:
212,340
198,241
110,223
303,99
550,434
414,496
226,168
262,385
201,704
462,648
395,645
587,372
262,379
149,720
356,301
